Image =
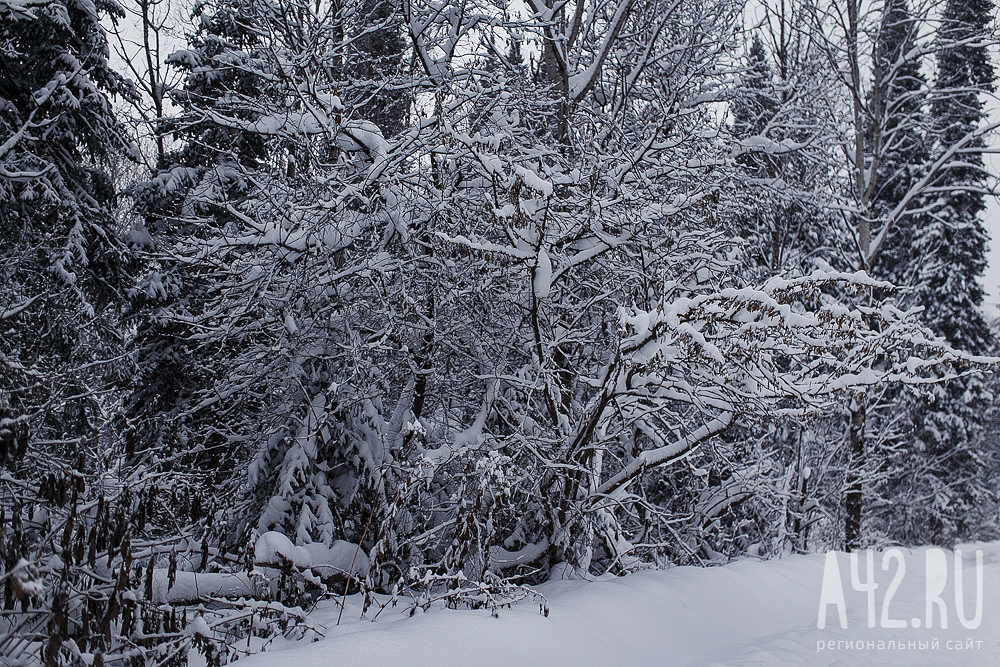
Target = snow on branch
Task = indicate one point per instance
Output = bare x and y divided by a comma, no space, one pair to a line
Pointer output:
743,353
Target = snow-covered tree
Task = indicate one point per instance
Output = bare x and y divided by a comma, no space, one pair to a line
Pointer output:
64,267
397,324
948,260
64,271
886,195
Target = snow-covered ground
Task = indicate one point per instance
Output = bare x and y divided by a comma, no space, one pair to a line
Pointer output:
745,613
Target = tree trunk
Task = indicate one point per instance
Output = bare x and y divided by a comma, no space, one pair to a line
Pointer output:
853,500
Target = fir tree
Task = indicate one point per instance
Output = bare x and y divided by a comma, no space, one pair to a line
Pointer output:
902,153
941,256
954,245
63,274
237,343
184,202
755,106
63,268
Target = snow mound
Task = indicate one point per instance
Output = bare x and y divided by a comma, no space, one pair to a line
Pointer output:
341,556
192,587
273,548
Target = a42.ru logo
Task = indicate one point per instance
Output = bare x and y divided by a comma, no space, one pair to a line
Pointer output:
935,583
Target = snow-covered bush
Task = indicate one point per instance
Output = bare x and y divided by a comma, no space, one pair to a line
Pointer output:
500,327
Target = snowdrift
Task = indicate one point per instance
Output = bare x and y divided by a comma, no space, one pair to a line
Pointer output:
745,613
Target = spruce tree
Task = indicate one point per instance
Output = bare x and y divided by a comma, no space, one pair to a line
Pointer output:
954,245
63,267
184,203
181,419
897,138
64,271
240,338
941,255
754,107
902,153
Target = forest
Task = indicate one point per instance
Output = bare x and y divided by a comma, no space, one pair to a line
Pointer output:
436,298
